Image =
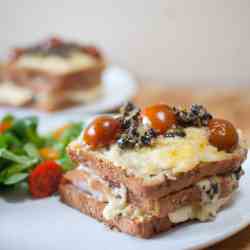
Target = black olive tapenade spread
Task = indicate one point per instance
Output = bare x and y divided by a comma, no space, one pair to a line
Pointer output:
136,134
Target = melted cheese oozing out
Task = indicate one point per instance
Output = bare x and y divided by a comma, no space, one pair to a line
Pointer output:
56,64
116,198
168,156
210,202
203,213
14,95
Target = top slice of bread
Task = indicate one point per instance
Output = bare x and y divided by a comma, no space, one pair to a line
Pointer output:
159,187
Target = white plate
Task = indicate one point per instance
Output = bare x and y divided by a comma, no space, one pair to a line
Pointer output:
118,86
27,224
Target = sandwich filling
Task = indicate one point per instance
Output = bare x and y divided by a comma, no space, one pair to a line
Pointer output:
12,94
55,64
117,204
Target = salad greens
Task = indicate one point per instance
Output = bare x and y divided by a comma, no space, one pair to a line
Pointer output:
22,147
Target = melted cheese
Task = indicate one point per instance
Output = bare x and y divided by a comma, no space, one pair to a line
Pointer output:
168,156
202,212
117,204
56,64
14,95
116,198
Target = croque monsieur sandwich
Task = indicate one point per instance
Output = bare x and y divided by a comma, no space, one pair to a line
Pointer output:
143,172
52,75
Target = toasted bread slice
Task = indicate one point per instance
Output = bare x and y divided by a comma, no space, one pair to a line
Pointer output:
155,188
144,227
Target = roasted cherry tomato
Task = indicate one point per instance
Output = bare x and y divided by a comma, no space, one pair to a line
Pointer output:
102,131
223,134
160,117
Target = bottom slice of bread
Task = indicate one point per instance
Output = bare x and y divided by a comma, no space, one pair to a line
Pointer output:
142,227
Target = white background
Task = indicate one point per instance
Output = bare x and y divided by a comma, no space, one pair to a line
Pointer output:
171,41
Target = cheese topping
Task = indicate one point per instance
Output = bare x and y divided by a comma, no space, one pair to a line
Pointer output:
14,95
168,156
57,64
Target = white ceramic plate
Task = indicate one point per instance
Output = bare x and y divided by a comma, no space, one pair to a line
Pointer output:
27,224
118,86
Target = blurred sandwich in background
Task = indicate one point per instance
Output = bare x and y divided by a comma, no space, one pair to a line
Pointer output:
51,75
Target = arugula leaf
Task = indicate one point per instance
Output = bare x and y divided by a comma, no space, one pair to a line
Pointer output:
26,130
31,150
13,179
12,170
24,160
8,140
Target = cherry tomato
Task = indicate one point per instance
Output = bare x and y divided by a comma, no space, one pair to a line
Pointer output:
102,131
160,117
223,134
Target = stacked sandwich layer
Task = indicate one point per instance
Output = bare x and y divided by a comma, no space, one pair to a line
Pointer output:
51,75
143,181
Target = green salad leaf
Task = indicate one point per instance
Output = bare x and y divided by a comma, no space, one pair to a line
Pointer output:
21,145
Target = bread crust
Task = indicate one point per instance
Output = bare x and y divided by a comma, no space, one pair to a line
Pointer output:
154,189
